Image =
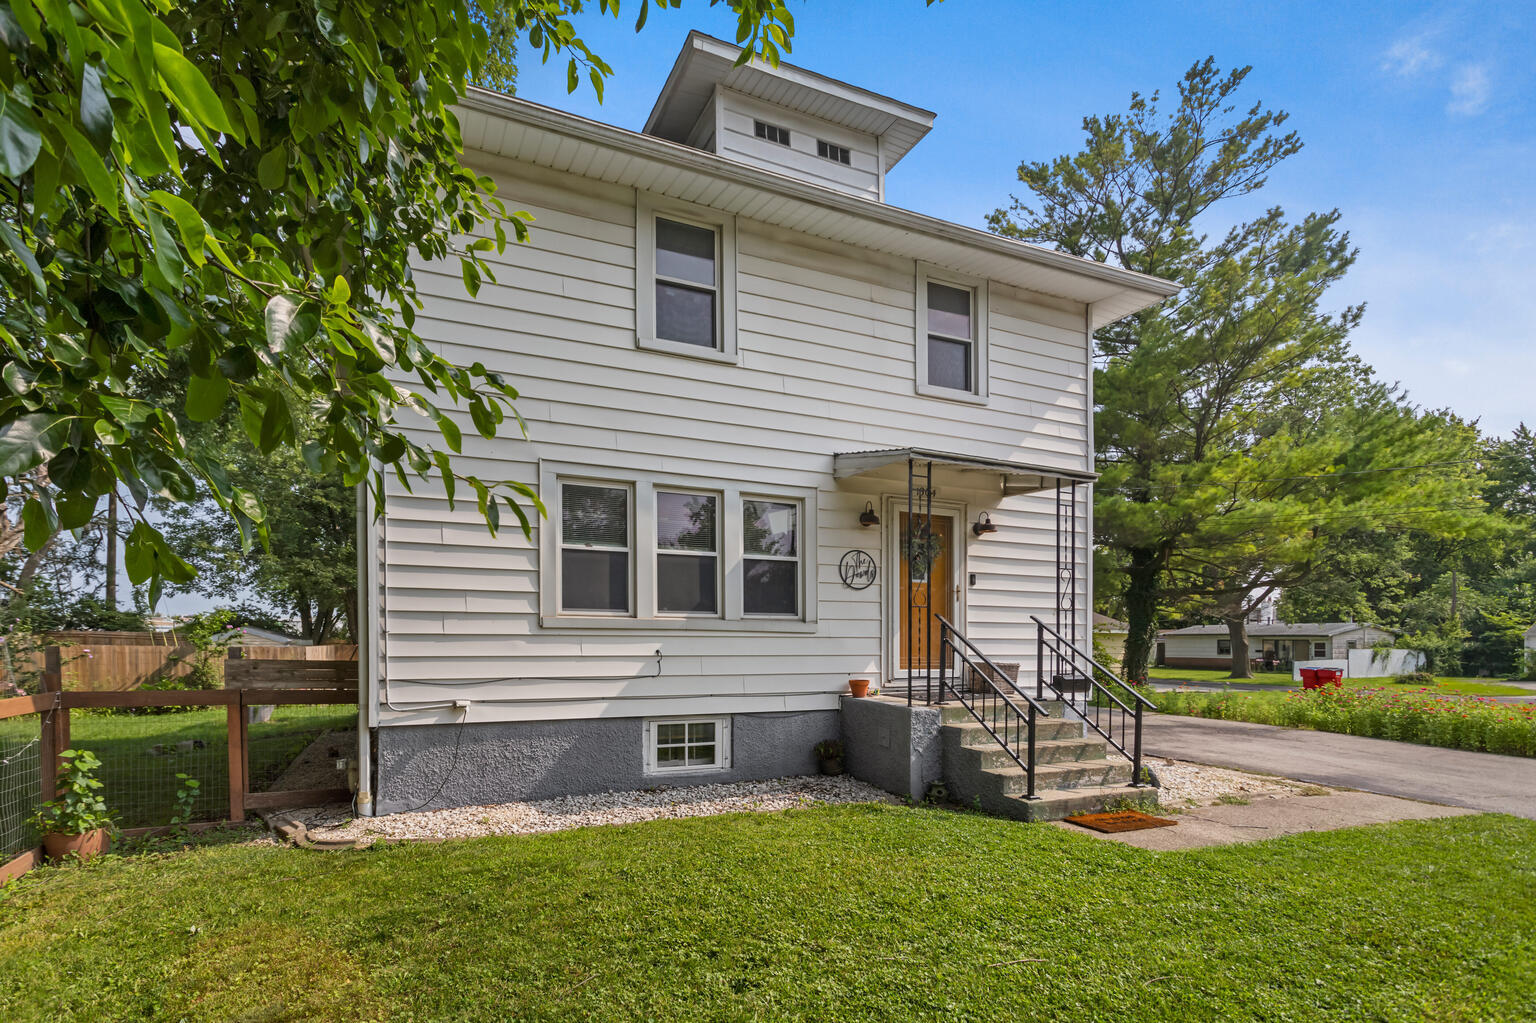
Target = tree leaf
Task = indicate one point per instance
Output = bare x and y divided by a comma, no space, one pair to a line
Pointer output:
192,92
29,441
206,397
40,520
20,136
272,168
95,108
28,260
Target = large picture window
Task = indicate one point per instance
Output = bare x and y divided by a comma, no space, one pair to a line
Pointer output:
687,553
770,557
595,550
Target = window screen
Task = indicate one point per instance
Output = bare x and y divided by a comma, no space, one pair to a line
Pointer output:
771,132
594,548
951,337
771,558
687,553
687,284
830,151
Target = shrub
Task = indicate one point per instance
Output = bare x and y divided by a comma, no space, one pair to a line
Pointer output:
1421,678
1470,723
79,807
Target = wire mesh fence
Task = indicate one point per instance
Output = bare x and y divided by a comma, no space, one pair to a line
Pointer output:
149,758
20,782
299,746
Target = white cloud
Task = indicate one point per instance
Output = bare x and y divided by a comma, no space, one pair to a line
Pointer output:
1411,56
1470,90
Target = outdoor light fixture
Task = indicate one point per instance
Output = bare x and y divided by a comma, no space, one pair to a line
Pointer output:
869,518
983,525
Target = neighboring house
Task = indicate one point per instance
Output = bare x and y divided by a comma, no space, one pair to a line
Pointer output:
1210,646
745,376
1112,634
1530,649
251,635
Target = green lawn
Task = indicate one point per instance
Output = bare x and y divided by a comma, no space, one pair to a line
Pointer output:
847,913
140,756
1443,684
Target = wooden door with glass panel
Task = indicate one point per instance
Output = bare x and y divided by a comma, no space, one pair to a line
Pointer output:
927,588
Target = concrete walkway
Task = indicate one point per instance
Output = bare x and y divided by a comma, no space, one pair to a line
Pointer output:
1481,781
1272,818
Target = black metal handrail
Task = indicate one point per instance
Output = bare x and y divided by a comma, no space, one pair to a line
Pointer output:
1012,726
1104,711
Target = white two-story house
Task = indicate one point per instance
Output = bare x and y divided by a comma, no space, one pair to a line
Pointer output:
781,427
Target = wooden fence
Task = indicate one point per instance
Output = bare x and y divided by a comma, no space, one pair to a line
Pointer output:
113,666
52,709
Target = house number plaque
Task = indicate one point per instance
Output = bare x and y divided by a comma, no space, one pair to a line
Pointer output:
857,570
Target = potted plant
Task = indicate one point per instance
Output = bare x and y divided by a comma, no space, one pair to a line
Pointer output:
76,822
859,687
830,753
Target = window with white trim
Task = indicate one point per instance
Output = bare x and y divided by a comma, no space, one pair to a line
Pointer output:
697,744
832,151
685,279
596,553
951,336
770,557
1224,648
687,283
687,553
771,132
1319,649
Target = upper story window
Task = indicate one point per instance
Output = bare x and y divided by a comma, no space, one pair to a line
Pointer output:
685,279
831,151
687,553
771,557
687,283
595,548
952,337
771,132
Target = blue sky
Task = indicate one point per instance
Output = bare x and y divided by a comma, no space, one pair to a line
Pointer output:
1419,121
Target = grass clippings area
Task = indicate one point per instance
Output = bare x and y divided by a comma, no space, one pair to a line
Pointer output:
865,912
1418,715
1443,684
141,754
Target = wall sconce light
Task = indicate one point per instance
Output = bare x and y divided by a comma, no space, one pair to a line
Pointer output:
868,517
983,525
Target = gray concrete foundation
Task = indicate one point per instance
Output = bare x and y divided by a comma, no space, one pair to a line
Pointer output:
891,745
436,766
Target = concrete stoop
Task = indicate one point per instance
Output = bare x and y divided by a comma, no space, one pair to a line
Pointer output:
1073,773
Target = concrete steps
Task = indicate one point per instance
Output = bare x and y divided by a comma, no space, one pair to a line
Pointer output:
1075,771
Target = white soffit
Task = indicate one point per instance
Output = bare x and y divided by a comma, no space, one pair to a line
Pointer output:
515,129
706,62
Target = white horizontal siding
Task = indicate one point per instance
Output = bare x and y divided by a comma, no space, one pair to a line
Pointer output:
826,342
735,137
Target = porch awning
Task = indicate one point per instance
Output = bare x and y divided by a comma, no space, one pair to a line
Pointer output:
1013,477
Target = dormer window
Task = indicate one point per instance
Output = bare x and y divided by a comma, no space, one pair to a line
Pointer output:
830,151
771,132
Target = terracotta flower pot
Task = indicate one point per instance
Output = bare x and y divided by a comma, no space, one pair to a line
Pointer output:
831,765
86,846
859,687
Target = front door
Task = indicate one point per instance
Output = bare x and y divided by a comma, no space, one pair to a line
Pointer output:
927,589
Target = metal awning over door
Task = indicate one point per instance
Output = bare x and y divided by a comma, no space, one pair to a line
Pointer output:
1012,477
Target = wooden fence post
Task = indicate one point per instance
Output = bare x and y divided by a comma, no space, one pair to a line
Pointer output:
54,739
237,757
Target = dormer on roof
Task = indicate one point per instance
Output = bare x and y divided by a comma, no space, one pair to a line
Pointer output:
784,119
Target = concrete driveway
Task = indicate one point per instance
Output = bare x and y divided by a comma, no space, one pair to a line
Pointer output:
1481,781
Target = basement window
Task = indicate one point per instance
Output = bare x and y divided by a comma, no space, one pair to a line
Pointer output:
830,151
685,746
771,132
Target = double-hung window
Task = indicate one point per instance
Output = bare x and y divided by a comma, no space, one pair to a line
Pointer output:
951,337
1223,648
687,553
687,283
1319,649
770,557
595,548
685,280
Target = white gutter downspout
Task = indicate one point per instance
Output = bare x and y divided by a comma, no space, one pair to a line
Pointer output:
1088,511
367,646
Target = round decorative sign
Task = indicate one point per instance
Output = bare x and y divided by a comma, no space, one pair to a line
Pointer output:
857,570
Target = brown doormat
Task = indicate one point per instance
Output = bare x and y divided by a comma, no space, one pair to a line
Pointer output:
1120,820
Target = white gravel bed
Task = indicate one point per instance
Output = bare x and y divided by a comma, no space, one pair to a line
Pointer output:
336,822
1186,784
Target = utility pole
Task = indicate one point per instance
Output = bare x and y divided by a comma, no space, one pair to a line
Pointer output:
112,549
